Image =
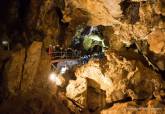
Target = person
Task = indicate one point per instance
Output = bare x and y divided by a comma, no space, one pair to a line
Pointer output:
69,53
50,50
57,52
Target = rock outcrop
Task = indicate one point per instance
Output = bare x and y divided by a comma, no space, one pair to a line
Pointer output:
121,78
21,70
101,12
77,91
29,90
150,107
31,66
96,99
156,41
14,71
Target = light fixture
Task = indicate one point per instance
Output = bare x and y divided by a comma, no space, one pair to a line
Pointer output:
5,42
55,78
63,69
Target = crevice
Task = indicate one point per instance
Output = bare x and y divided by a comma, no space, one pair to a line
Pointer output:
23,67
62,26
162,17
2,88
130,11
76,104
109,105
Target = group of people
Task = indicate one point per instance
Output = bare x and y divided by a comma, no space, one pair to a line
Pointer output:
86,44
57,52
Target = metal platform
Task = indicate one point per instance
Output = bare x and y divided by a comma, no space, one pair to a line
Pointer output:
64,55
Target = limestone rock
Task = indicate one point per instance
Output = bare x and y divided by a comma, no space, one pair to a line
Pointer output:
159,7
148,20
152,107
101,12
134,80
42,96
42,18
155,104
77,92
14,71
95,99
4,55
137,0
156,41
122,108
48,22
31,65
121,78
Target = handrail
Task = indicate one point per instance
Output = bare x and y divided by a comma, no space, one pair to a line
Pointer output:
64,55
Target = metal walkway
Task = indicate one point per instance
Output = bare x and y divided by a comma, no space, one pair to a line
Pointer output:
65,55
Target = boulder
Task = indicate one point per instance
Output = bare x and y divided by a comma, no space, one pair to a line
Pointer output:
76,92
101,12
156,41
31,66
121,78
96,100
14,71
93,73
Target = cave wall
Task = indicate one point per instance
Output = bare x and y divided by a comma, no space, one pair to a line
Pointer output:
53,19
124,22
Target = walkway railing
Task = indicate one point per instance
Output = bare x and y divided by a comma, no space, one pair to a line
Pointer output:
65,55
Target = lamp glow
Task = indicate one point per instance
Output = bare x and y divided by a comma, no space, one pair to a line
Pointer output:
54,78
5,42
63,69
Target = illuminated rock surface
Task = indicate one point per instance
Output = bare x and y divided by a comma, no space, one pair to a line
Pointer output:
77,91
27,85
123,81
133,107
101,12
31,65
156,41
121,78
14,71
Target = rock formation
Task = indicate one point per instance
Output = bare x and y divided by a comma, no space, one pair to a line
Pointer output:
31,65
119,78
14,71
27,84
129,79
